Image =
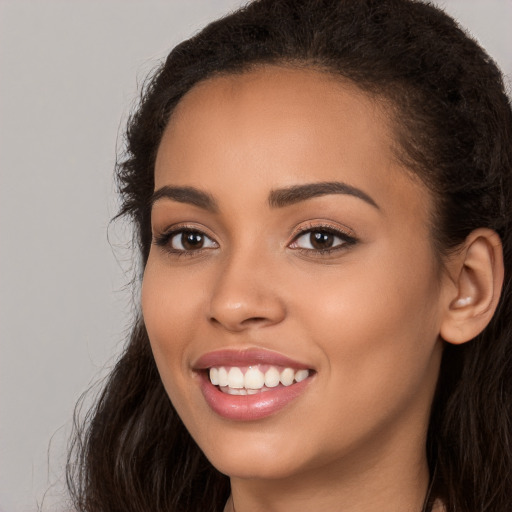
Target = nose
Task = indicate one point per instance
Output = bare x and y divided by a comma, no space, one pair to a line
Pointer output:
244,295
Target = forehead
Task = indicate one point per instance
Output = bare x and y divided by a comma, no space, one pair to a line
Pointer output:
280,100
287,89
275,127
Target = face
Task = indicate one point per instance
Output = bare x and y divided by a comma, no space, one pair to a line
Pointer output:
292,262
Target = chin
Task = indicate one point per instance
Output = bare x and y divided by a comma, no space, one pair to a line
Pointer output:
255,469
259,457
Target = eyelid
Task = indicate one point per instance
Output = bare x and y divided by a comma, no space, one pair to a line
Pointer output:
182,226
322,225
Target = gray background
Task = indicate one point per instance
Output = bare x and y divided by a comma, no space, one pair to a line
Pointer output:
69,74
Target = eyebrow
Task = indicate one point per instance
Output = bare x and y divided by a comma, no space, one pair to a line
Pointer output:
277,198
297,193
189,195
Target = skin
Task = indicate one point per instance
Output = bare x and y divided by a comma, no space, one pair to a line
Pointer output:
366,317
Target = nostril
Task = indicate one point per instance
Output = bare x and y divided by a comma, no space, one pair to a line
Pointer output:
255,319
236,326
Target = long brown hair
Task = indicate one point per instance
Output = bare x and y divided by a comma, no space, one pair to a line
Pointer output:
454,125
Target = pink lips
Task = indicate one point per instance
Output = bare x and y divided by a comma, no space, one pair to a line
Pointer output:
248,407
245,358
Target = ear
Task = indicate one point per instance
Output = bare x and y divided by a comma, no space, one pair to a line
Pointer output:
476,274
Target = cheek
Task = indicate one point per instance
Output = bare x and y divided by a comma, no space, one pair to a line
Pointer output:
377,326
170,302
170,307
169,298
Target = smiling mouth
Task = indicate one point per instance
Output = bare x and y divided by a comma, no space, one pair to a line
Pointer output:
251,380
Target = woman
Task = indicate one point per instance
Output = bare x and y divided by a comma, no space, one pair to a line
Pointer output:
321,197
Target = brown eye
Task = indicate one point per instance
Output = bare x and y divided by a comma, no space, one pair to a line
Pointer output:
187,240
191,240
321,240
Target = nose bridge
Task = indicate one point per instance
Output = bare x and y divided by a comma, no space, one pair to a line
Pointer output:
244,294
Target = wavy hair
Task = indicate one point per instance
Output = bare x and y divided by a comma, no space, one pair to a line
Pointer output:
453,126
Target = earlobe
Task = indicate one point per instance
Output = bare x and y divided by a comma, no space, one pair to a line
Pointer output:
477,273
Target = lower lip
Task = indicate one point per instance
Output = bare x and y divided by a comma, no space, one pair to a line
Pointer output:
250,407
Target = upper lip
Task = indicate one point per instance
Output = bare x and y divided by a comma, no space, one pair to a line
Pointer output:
245,357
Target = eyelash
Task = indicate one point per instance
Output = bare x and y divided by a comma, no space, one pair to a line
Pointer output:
164,240
346,240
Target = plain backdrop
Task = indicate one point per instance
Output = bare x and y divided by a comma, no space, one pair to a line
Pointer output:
69,75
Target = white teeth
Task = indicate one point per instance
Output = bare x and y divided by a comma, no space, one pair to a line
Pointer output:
254,378
223,377
214,376
233,380
272,377
287,376
235,391
301,375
